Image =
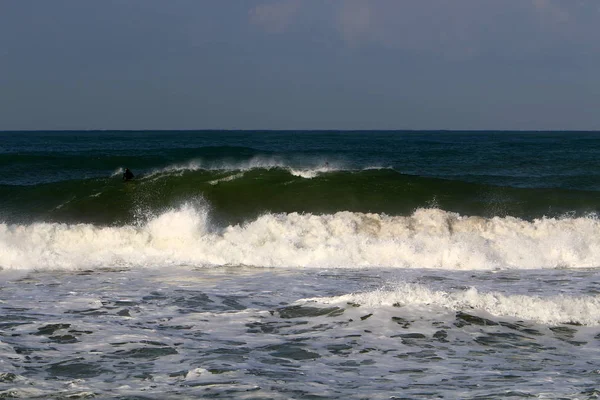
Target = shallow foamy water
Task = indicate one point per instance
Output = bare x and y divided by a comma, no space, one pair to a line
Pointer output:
260,333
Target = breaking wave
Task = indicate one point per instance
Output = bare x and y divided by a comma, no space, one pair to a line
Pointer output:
428,238
584,310
245,193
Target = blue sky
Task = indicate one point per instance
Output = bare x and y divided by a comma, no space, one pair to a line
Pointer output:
300,64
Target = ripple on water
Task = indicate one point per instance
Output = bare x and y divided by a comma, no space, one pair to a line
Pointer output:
76,369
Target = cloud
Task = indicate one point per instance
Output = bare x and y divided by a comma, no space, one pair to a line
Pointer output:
468,29
354,20
417,26
551,9
461,30
275,17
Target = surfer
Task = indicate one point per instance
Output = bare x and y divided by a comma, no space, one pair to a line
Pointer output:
127,175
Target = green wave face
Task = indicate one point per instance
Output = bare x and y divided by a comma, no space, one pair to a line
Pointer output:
236,196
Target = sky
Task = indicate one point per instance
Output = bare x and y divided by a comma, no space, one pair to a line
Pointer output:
300,64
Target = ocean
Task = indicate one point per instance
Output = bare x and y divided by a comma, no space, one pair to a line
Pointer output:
300,265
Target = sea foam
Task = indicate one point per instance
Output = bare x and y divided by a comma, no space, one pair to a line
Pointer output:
561,309
306,169
429,238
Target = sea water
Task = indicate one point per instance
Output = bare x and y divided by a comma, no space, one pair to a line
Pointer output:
300,265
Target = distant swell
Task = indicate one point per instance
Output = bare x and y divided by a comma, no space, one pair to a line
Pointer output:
429,238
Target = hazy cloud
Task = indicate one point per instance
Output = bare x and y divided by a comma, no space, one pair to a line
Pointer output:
354,20
274,17
551,9
328,64
456,29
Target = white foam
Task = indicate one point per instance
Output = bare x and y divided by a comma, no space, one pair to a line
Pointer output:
429,238
309,171
312,172
118,172
562,309
227,178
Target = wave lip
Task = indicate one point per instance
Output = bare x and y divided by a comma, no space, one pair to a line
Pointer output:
306,168
240,195
429,238
584,310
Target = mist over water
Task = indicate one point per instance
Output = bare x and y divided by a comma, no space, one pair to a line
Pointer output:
277,265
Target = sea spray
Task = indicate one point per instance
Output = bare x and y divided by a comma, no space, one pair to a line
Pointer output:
429,238
550,310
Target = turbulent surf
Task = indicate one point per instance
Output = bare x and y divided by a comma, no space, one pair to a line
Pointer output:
299,264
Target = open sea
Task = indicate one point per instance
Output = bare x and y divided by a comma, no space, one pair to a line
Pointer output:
300,265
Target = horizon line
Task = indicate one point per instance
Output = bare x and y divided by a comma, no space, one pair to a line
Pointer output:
297,130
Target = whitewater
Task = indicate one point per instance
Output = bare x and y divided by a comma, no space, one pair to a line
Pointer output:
300,265
430,238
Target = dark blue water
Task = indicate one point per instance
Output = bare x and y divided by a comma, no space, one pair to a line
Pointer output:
76,176
566,160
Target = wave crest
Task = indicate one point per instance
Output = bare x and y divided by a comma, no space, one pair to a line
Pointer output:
307,169
583,310
429,238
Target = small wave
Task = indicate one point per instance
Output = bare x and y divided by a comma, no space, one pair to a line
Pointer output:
310,169
118,172
583,310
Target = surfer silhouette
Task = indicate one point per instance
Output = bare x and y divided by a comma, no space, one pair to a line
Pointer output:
127,175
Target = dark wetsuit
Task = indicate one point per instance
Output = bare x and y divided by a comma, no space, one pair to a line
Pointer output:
128,175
